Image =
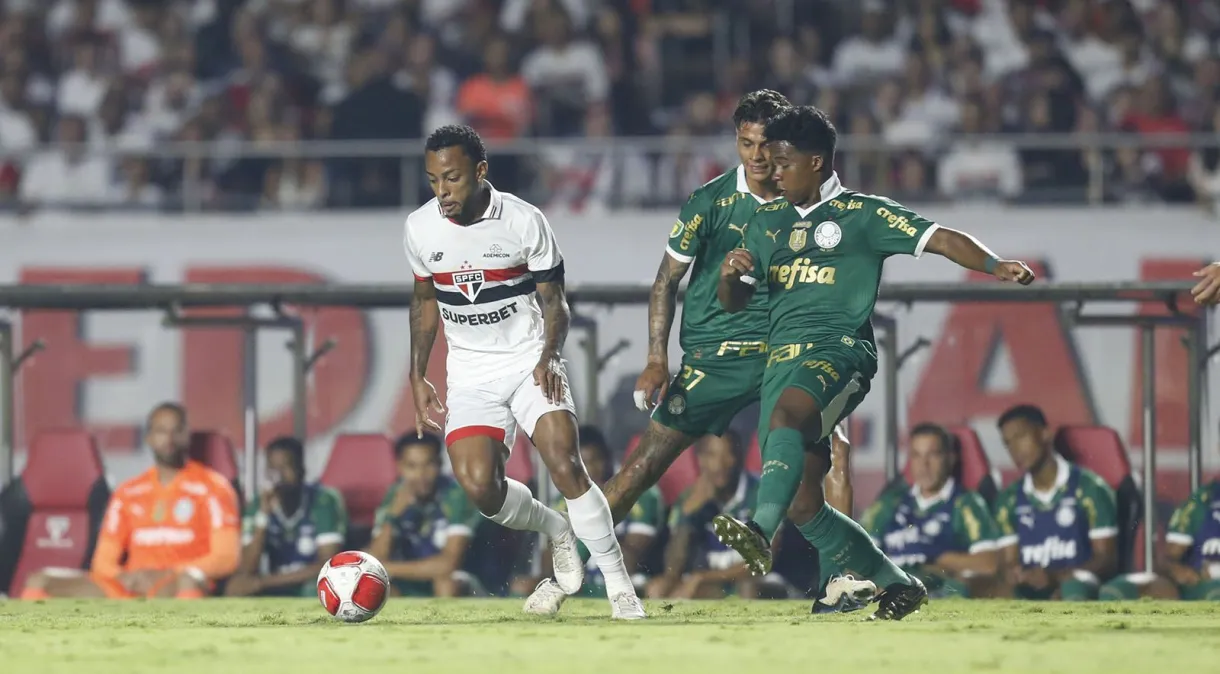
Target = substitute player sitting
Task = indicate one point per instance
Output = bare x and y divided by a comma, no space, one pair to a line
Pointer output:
937,531
482,260
819,254
170,532
289,530
425,523
1191,567
1058,523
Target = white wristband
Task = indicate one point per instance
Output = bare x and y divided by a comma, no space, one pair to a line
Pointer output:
261,520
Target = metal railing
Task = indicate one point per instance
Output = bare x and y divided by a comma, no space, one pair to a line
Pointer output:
1072,298
534,164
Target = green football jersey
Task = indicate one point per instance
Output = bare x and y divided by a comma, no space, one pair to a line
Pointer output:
712,223
821,266
423,529
913,531
1057,531
292,540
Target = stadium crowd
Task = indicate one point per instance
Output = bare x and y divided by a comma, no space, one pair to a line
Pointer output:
1056,532
930,92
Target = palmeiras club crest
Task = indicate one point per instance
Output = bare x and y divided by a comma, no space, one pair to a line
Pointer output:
468,283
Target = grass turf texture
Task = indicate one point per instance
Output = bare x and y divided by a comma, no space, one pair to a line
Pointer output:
493,636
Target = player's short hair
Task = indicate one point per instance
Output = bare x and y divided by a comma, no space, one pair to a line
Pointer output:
170,406
806,128
457,135
1030,413
592,436
294,447
412,437
759,106
947,442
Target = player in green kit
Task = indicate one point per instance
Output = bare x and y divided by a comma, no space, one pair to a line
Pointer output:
818,253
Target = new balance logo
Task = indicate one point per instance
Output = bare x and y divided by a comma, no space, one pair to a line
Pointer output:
436,257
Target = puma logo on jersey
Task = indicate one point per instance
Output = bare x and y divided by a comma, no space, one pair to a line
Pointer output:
1052,549
773,234
739,229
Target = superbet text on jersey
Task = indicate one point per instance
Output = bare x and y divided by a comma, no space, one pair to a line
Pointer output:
485,275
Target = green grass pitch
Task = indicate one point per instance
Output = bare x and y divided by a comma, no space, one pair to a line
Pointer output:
494,637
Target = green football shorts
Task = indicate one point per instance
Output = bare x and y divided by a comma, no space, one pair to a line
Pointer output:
836,375
712,388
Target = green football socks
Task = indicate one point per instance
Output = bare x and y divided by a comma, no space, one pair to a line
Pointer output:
783,464
843,544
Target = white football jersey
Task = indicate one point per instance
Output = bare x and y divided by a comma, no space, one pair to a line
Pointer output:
485,275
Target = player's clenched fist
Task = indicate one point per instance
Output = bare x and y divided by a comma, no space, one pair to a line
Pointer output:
737,263
548,375
1014,270
650,387
426,402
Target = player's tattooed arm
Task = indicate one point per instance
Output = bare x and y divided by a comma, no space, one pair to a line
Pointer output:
662,305
970,253
425,320
556,319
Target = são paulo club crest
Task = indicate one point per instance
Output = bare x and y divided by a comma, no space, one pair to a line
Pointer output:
469,283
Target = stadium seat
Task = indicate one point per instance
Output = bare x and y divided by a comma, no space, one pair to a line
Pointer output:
361,467
680,475
215,451
1099,449
54,509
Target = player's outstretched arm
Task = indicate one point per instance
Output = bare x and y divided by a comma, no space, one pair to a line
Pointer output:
968,252
662,305
425,321
737,280
556,320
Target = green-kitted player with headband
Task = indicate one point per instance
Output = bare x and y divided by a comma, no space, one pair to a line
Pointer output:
819,253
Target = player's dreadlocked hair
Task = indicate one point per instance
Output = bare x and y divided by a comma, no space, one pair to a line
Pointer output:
759,106
458,135
806,128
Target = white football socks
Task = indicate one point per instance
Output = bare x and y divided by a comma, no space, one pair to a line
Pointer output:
521,511
594,526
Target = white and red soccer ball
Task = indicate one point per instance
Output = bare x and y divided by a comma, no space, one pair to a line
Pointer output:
353,586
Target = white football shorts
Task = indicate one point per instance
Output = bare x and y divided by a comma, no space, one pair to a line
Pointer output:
497,408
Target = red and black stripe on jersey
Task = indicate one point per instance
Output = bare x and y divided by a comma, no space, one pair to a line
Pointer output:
483,286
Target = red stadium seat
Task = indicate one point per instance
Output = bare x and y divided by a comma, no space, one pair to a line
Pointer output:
680,475
54,509
361,468
1100,449
215,451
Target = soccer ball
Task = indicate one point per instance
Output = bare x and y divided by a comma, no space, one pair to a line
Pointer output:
353,586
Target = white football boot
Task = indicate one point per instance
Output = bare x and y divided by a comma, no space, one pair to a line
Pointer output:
545,599
627,606
569,568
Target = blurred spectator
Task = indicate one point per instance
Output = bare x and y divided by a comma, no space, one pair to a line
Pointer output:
567,75
67,175
496,102
289,530
424,526
974,167
139,71
1204,172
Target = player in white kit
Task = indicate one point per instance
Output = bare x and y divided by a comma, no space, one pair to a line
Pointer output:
482,259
